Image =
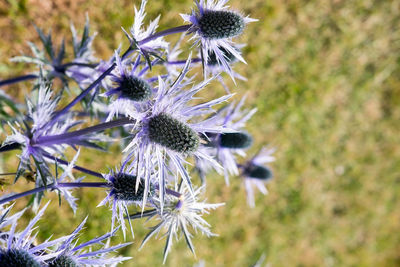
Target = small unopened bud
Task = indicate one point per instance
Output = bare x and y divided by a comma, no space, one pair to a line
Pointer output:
235,140
212,57
257,172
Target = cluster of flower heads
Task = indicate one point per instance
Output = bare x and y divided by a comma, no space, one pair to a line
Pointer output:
20,249
163,127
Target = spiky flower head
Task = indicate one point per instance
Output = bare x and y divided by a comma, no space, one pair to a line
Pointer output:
214,27
41,107
179,214
18,249
39,135
51,61
226,146
125,189
256,174
129,85
73,255
166,129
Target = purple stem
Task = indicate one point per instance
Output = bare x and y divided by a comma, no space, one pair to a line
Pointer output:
78,168
169,191
18,79
80,96
34,76
178,29
172,193
86,91
63,138
66,65
51,187
183,62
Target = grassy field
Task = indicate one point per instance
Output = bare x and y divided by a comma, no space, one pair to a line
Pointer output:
325,77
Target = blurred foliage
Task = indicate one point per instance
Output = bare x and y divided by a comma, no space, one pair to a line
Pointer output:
325,76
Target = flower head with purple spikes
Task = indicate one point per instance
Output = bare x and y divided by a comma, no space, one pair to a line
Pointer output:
42,135
225,146
125,190
167,130
52,62
72,254
255,174
130,86
17,249
177,215
214,27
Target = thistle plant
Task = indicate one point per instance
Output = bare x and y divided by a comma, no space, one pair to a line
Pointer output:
164,128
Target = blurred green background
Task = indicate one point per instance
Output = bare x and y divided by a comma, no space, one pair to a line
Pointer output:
325,77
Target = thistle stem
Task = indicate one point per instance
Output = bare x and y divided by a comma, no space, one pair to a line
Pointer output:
18,79
61,68
58,114
169,191
183,62
69,64
63,111
51,187
183,28
78,168
65,137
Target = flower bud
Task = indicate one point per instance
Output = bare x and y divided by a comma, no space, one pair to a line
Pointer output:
235,140
257,172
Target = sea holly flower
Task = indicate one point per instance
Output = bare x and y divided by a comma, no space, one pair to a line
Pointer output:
225,146
125,190
52,184
166,129
131,87
256,174
53,62
72,255
214,27
180,212
17,249
42,135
